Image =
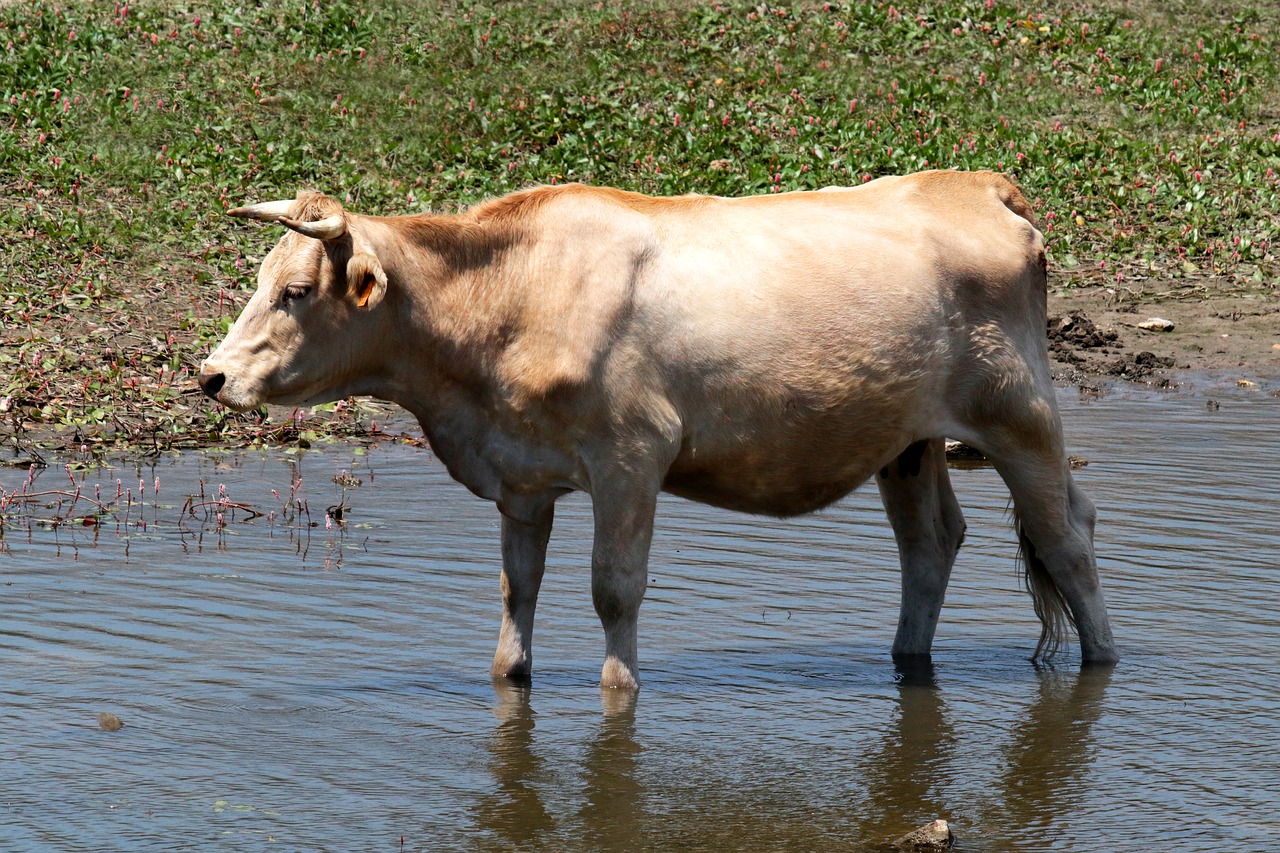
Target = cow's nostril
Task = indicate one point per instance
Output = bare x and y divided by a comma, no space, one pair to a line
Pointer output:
211,383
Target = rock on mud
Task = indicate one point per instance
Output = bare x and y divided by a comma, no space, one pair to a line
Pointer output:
1157,324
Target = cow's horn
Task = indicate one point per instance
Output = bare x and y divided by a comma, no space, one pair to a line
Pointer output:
267,211
329,228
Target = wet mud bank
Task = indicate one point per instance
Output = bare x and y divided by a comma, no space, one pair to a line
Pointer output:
1166,335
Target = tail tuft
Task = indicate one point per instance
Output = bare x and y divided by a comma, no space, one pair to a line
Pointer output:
1051,607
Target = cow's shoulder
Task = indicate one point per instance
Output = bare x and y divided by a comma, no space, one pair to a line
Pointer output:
568,283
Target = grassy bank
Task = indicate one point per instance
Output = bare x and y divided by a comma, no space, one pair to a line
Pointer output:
1149,139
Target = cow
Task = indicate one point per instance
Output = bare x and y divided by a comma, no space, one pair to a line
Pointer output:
765,354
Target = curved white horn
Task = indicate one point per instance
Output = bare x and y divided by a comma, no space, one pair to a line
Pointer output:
329,228
267,211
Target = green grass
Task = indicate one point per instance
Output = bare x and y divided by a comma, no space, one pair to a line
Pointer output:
1149,144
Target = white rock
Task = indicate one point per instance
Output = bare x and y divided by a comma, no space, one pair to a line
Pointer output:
1156,324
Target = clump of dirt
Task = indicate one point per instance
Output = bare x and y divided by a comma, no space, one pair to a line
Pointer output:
1075,331
1144,365
1077,342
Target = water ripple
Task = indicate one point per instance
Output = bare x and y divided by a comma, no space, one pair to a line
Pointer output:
328,689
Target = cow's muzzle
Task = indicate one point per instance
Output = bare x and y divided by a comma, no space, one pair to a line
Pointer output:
211,383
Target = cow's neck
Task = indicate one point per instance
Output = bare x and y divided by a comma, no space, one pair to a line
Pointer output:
450,282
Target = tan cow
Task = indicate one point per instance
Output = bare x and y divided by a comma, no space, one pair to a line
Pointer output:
764,354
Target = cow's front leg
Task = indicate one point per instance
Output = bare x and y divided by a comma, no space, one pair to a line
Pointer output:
619,575
524,558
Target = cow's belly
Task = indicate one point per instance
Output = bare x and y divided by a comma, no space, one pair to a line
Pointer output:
797,475
787,497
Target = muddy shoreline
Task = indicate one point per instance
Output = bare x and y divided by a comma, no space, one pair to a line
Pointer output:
1218,334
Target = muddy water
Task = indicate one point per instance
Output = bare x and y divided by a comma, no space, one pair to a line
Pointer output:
286,686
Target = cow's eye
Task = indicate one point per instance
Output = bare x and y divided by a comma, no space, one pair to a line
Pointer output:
294,290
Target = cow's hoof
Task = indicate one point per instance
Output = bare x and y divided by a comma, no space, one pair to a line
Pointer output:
519,672
618,676
1100,661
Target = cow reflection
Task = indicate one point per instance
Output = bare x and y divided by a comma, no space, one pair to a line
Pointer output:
905,776
1049,752
613,815
909,778
514,811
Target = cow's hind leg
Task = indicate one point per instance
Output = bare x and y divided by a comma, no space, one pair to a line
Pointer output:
524,559
1055,537
929,527
1055,527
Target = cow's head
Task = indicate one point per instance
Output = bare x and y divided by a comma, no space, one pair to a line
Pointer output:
309,332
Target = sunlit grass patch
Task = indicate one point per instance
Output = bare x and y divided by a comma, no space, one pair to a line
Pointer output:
1149,144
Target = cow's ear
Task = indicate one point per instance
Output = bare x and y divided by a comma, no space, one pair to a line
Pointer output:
366,281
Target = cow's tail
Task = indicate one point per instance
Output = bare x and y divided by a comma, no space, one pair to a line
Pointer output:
1050,605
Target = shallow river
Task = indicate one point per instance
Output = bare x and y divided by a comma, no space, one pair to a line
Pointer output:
286,686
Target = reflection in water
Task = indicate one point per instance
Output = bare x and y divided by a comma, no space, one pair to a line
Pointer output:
1044,757
910,777
906,774
1049,751
613,814
514,812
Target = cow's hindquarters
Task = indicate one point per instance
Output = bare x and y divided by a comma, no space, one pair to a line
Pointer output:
1019,429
